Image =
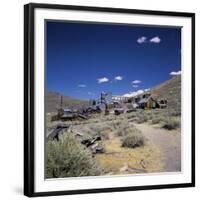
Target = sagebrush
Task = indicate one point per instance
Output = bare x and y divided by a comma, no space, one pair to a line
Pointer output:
171,124
133,139
68,158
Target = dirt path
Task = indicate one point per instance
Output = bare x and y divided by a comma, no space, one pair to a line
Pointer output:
169,143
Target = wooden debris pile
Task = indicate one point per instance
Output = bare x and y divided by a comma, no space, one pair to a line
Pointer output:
92,143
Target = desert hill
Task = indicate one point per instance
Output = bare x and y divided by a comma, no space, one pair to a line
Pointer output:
169,90
53,101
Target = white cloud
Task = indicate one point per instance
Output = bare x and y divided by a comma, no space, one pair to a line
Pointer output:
118,78
155,40
91,93
175,73
102,80
135,86
141,40
136,81
133,94
81,85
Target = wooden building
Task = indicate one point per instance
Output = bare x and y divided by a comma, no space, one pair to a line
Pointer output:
148,103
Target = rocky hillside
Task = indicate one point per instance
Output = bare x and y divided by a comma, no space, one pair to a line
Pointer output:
53,100
170,90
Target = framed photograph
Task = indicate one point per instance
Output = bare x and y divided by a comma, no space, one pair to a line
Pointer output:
108,99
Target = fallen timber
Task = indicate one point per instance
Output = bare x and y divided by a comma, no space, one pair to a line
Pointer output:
73,117
57,132
91,143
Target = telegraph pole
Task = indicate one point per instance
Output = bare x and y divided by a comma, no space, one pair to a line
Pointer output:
61,102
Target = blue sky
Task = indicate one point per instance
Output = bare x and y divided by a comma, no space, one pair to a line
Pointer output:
85,59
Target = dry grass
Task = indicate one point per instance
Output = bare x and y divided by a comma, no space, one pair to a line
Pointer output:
171,124
140,160
157,120
118,131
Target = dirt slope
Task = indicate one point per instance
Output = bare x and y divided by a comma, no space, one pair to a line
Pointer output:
169,90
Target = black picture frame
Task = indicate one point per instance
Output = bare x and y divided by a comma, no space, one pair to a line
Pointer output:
29,93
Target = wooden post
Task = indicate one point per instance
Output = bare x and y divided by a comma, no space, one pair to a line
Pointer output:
61,102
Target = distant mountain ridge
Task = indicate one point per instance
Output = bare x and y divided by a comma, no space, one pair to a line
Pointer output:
53,102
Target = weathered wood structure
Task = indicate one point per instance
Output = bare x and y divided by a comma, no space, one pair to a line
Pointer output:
60,128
